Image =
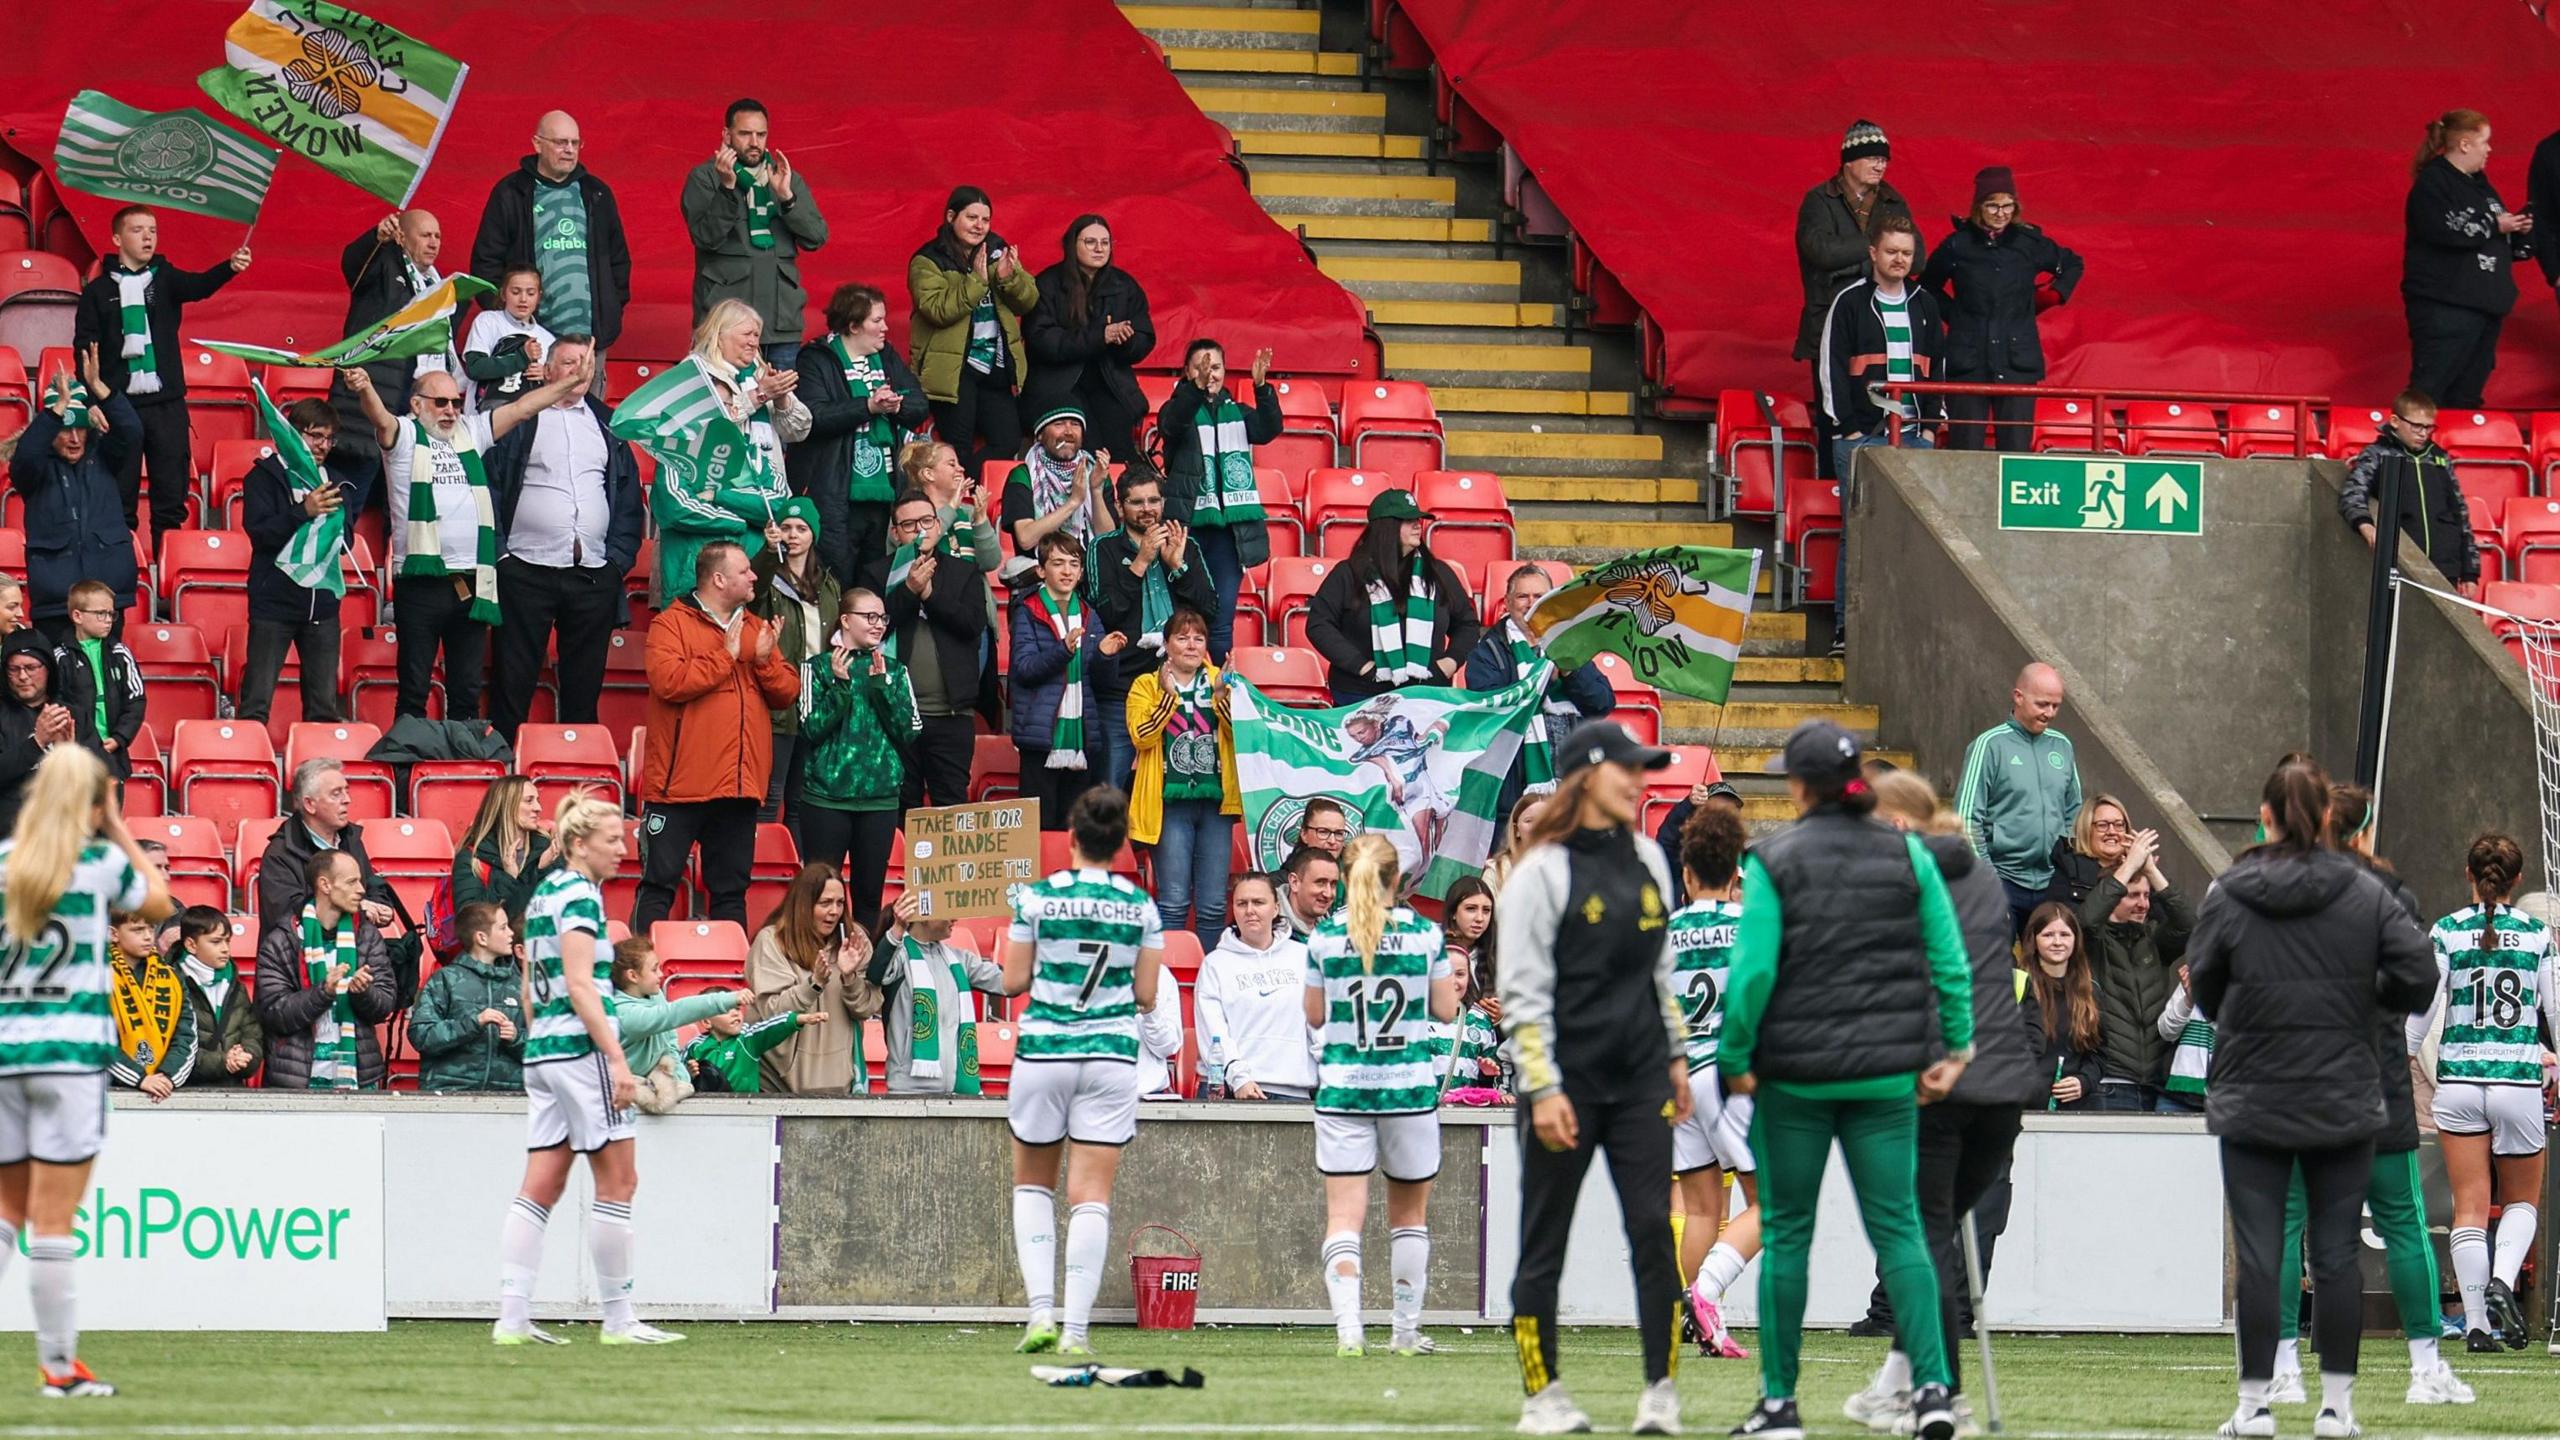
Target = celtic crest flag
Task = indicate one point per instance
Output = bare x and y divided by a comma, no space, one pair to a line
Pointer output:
1421,766
677,417
179,159
1676,614
342,90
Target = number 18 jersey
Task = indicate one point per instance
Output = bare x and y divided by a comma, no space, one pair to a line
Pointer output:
565,903
1376,1057
1086,928
1702,940
2492,996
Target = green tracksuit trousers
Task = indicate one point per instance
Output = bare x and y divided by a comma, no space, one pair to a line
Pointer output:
2399,1210
1791,1137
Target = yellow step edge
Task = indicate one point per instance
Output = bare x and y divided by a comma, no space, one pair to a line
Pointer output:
1629,535
1778,625
1220,17
1789,670
1765,714
1561,445
1388,227
1613,489
1329,144
1493,400
1751,760
1247,101
1414,271
1487,314
1262,62
1403,356
1440,189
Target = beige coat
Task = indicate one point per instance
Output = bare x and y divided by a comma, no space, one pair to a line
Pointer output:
819,1059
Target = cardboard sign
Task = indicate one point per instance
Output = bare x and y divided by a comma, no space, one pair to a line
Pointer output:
962,860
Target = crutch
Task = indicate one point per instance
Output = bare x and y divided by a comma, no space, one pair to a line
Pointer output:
1982,1320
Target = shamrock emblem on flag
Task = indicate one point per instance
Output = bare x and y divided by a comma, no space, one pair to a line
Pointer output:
1646,594
332,74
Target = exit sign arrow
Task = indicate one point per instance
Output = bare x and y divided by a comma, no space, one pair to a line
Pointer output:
2164,497
2102,494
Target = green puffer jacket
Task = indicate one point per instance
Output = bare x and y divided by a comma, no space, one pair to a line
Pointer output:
455,1050
858,731
946,289
776,601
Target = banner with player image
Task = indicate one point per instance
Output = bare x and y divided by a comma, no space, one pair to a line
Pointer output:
1422,766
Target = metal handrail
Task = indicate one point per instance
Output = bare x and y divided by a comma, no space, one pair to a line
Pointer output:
2306,439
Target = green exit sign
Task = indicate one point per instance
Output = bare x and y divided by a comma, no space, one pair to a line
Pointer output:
2121,494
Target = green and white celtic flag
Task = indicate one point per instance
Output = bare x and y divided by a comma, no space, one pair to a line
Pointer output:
179,159
342,90
1677,614
1421,766
421,327
310,558
677,417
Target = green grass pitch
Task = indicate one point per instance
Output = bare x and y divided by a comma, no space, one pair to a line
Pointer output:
438,1380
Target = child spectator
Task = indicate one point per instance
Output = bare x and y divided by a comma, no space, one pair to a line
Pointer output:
2075,1045
229,1044
648,1022
2183,1092
1470,1046
155,1013
468,1024
860,722
505,349
727,1058
100,683
928,1007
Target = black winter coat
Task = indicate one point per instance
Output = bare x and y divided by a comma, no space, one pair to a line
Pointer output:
270,516
626,509
288,1007
19,751
1831,252
1068,360
75,521
506,240
2007,1034
282,890
820,464
2074,874
2291,957
377,285
1853,356
1988,286
1338,627
78,686
2135,970
100,322
2433,513
1122,597
2451,252
2399,1093
1185,471
2542,197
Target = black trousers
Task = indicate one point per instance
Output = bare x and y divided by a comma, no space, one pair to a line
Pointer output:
857,842
2254,1181
577,603
942,757
985,421
316,642
2012,417
1638,1141
1825,466
783,781
726,831
164,451
2451,352
858,554
431,615
1107,424
1964,1152
1055,789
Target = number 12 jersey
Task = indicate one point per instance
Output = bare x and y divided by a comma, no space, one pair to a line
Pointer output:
1375,1059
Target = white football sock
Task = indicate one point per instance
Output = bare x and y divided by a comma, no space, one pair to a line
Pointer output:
609,1242
1035,1246
2253,1394
2337,1392
1719,1270
2424,1357
2515,1240
1088,1248
1896,1374
519,1261
2289,1356
1408,1265
1342,1284
2470,1246
56,1302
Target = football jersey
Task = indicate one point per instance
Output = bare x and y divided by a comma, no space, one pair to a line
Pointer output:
1702,939
54,1012
565,903
1376,1056
2492,997
1086,928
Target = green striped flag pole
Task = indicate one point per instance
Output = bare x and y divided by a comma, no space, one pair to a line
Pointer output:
422,326
1422,766
179,159
310,558
342,90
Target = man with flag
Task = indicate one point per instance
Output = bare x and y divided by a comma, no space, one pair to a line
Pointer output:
388,267
130,312
1505,657
298,498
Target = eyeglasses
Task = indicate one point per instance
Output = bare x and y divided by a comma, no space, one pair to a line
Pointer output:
553,140
2110,827
868,614
93,612
1330,832
1990,205
319,437
918,523
443,402
2424,427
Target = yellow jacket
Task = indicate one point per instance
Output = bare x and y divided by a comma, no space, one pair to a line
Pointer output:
1149,710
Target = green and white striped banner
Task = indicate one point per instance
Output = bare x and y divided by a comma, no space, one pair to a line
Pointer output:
1422,766
422,326
310,558
178,159
677,417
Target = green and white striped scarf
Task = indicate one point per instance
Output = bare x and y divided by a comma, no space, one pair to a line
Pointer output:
426,555
333,1041
985,339
1228,495
2192,1060
1537,748
760,206
1066,733
876,442
1400,637
310,558
946,1016
141,357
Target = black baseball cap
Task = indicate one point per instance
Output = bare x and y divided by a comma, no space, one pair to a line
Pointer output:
1722,790
1605,742
1822,754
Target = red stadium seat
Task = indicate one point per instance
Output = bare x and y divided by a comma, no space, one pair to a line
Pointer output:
2546,444
1182,956
1309,439
219,403
1470,521
1691,766
205,575
224,771
2529,545
2350,430
179,681
2490,457
2522,600
2172,427
1294,582
288,383
1055,856
623,889
713,950
39,294
1639,707
624,376
777,859
2269,430
557,757
249,854
17,400
369,782
1814,533
1392,425
199,871
2494,562
369,676
1338,505
1283,508
1752,455
624,700
2074,426
1288,676
232,462
995,770
412,855
448,791
146,791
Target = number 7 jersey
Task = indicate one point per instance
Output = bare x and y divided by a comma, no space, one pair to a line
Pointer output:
2491,996
1086,928
1702,941
1375,1058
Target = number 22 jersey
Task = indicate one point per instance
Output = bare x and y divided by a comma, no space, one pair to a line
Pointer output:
1702,941
1374,1058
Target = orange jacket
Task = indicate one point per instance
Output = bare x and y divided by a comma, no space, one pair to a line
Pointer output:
710,712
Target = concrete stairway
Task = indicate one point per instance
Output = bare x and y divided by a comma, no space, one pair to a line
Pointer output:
1516,393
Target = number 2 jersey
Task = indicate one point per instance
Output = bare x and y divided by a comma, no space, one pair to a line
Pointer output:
565,903
2493,997
1375,1057
1702,940
1086,928
54,1012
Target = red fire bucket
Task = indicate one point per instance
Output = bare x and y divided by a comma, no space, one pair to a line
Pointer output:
1167,1286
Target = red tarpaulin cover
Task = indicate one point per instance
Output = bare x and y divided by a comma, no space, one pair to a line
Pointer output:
1054,108
2233,175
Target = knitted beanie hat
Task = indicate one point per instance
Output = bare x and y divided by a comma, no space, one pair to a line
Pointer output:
1993,180
1865,140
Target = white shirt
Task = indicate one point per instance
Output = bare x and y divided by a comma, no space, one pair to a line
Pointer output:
560,512
457,515
1160,1036
487,330
1252,1011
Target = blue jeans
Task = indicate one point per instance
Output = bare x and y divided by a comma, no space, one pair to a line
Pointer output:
2022,903
1192,855
2127,1097
780,353
1118,756
1226,573
1912,439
